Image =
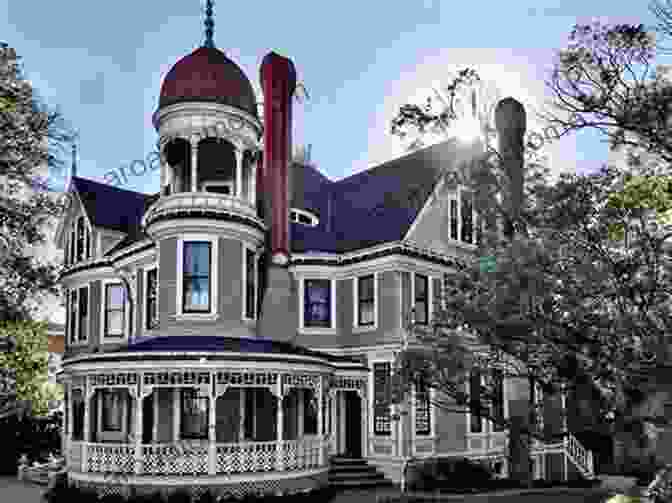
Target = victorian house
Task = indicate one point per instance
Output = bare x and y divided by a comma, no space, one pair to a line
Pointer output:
237,330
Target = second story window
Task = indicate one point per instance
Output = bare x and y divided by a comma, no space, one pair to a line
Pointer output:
317,303
83,314
365,300
72,318
467,218
115,300
421,301
196,277
151,300
250,284
453,219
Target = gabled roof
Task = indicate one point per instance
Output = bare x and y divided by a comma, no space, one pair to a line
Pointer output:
372,207
111,207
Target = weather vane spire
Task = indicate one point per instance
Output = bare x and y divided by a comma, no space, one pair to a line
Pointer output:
209,25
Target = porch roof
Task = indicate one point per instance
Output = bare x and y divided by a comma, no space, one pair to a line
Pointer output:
197,343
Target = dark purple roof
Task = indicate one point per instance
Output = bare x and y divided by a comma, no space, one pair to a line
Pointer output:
111,207
369,208
195,343
372,207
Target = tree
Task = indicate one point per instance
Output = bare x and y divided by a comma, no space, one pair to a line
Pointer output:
32,139
596,307
30,362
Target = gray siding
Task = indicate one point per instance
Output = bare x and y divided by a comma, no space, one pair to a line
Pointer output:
139,315
344,320
230,279
96,322
167,279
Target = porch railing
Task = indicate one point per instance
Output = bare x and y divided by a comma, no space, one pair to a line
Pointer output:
195,459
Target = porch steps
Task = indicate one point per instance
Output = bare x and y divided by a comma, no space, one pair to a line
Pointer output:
351,473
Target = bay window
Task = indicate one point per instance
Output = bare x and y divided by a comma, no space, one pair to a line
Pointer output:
83,314
115,301
250,284
317,303
72,316
421,300
196,277
151,299
366,300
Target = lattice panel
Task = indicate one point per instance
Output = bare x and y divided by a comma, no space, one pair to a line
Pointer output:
115,379
170,459
110,458
246,378
184,378
348,383
301,454
74,460
301,381
246,457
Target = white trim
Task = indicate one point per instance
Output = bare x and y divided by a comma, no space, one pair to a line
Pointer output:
316,330
356,327
294,217
126,328
142,316
392,436
213,314
425,207
219,183
76,319
255,273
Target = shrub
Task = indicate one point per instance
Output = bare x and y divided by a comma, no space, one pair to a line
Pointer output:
458,474
179,496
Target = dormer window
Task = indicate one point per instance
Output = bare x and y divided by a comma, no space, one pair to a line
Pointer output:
303,217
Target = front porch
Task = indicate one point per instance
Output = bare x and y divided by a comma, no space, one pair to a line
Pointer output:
263,430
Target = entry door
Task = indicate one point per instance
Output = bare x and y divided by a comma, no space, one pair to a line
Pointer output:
353,425
148,418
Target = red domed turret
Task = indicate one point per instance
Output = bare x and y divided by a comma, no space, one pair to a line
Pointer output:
208,75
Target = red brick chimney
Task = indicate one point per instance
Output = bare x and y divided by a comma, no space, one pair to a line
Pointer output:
279,308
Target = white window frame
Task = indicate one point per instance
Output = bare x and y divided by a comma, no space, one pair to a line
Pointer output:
484,421
255,273
143,309
127,328
430,296
356,327
432,416
302,291
393,408
75,319
294,217
219,183
180,315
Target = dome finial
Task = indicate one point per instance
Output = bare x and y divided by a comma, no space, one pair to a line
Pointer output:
209,25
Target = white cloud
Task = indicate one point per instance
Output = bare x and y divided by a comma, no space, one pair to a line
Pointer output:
520,77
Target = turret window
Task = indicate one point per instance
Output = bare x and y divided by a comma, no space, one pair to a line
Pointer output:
151,299
115,300
196,277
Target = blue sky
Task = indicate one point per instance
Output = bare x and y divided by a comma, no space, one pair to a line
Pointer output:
102,63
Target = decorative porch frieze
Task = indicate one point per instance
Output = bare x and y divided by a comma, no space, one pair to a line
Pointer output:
224,380
309,381
114,379
347,383
174,379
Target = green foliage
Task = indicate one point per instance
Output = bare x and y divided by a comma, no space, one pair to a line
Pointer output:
32,141
30,361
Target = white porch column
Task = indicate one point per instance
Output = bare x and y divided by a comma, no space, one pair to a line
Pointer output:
212,447
279,427
155,418
239,171
333,403
87,406
194,162
563,397
241,425
365,423
138,424
176,414
320,420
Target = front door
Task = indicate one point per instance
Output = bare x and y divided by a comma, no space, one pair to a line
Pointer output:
148,419
353,425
